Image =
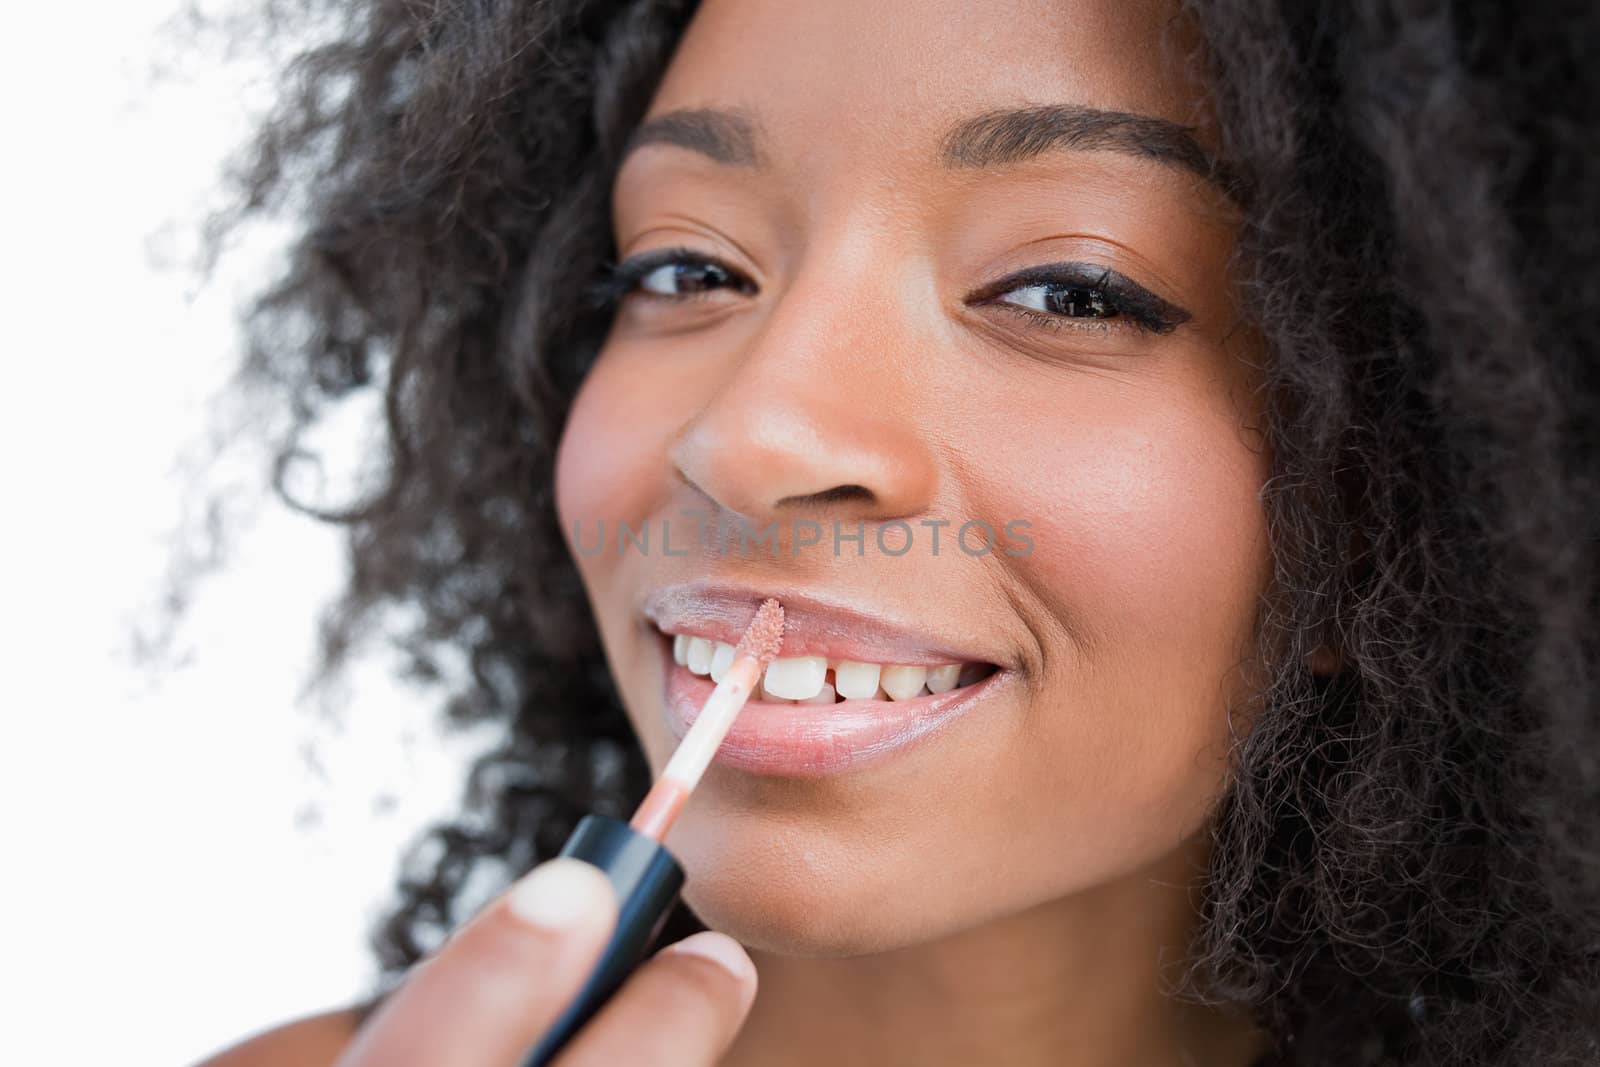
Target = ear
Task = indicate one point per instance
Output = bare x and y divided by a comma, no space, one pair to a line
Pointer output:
1326,661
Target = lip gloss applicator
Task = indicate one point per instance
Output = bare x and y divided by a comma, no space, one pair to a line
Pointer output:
644,874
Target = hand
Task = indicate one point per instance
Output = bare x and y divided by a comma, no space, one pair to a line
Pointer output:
485,997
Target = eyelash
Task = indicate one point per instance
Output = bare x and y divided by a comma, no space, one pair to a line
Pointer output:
1126,302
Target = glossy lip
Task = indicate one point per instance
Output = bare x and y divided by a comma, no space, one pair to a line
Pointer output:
813,625
814,740
809,740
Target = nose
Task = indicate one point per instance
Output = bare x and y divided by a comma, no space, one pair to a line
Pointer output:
817,414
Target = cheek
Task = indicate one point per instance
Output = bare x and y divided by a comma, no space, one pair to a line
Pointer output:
611,461
1147,533
611,467
1150,552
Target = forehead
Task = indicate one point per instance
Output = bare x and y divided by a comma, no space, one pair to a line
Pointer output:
866,78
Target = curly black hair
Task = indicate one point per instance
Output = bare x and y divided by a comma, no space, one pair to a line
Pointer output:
1407,867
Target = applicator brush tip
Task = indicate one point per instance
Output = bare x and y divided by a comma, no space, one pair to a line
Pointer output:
765,636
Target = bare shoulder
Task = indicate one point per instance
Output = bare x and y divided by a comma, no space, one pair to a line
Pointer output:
312,1041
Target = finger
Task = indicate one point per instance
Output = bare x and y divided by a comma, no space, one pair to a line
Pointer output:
488,994
682,1008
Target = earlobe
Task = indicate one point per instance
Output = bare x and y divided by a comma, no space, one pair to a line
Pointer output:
1326,661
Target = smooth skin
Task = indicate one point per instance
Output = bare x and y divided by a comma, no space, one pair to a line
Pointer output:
1015,887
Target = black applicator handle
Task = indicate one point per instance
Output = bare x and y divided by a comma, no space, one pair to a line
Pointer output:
647,879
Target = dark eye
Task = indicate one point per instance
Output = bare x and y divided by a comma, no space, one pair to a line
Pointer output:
668,274
683,278
1061,295
1071,301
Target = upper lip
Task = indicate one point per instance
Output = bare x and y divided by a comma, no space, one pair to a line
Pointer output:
814,624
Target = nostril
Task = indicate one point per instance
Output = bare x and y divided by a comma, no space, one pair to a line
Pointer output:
839,494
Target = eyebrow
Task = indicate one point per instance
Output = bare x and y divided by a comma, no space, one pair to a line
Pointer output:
728,137
997,138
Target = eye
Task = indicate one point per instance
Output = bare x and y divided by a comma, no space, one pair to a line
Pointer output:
1082,295
671,274
1072,301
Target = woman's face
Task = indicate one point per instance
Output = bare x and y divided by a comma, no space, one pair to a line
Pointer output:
892,309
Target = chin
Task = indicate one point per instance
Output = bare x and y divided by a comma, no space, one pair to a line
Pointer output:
794,889
788,917
797,894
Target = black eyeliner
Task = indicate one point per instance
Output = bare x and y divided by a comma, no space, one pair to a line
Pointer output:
620,278
1128,297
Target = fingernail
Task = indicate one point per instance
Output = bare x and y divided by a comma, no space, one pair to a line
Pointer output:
558,894
720,949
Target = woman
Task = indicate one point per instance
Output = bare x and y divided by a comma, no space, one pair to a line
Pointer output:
1262,325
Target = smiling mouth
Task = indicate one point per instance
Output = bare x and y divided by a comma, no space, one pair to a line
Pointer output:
821,679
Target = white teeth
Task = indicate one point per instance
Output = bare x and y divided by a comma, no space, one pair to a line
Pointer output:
796,677
903,683
699,656
824,696
943,679
721,660
773,697
856,681
806,679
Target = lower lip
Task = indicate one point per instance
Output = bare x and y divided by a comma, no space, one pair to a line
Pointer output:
813,740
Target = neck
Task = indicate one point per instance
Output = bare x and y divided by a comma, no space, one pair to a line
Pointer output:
1083,981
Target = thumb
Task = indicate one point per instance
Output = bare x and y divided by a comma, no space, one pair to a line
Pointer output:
501,980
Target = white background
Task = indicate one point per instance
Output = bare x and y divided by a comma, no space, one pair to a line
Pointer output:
190,854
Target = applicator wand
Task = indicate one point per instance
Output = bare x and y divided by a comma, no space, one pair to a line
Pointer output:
644,874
